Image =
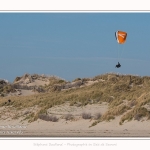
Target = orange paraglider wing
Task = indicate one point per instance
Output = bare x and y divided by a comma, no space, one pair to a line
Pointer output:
121,37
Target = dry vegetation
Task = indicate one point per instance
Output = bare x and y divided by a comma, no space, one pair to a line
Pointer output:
127,95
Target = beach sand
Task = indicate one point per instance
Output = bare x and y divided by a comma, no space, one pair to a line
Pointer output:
77,127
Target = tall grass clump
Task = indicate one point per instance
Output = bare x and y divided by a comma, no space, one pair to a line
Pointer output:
137,113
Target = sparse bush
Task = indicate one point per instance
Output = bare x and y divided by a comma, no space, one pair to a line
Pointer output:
115,111
30,116
77,79
86,79
137,117
120,123
69,116
132,103
137,113
2,95
61,81
44,117
17,79
54,119
127,116
97,116
86,115
26,112
78,104
48,118
109,117
72,103
16,116
94,124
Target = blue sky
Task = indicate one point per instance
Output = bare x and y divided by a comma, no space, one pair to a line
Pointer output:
72,45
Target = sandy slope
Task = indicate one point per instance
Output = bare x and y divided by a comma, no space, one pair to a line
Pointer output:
39,82
21,92
74,128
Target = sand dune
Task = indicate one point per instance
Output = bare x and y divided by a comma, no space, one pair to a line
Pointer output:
76,107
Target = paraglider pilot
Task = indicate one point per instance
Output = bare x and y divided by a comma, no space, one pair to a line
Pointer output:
118,65
121,37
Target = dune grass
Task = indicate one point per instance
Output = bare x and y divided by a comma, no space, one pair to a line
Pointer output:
110,88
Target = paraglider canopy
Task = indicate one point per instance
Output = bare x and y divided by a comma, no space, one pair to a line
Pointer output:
121,37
